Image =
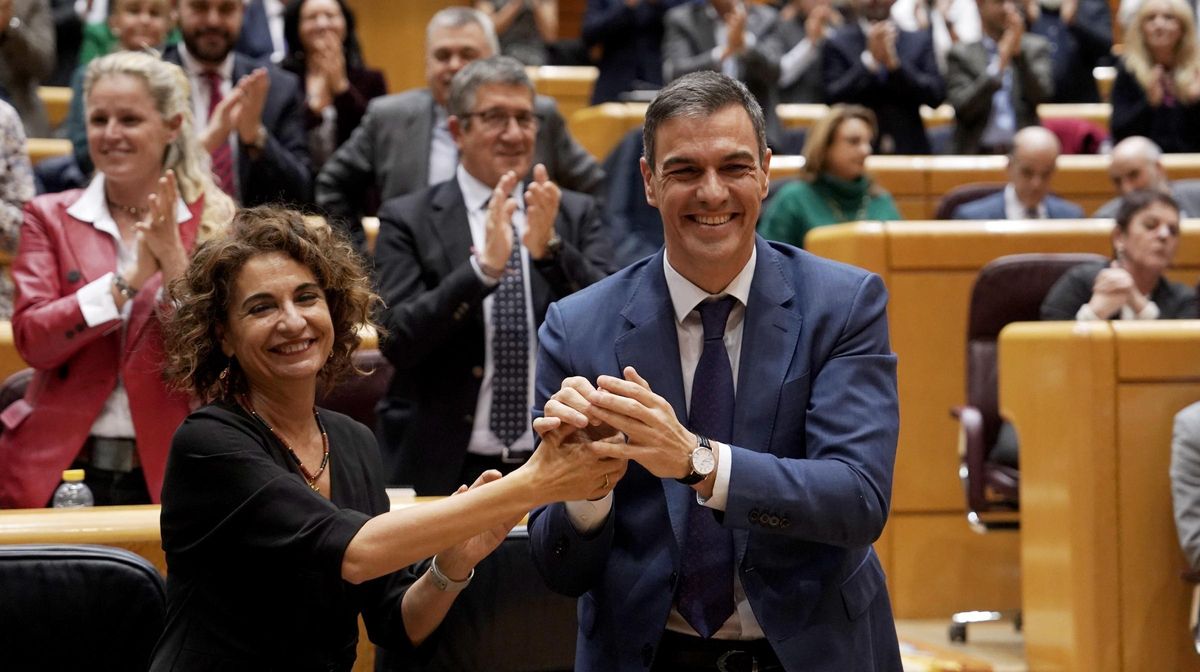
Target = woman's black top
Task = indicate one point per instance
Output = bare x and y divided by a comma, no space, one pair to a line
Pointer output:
254,555
1175,301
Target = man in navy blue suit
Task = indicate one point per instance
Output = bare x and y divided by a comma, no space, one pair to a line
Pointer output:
740,535
1031,167
871,62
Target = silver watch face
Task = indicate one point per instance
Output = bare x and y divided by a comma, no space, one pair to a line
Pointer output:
703,461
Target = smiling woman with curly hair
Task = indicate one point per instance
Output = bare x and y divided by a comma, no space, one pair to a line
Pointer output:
275,523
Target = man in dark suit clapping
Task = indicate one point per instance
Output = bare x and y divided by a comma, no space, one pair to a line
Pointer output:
467,268
871,62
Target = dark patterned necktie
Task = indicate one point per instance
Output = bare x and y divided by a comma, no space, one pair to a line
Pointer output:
705,598
510,352
222,156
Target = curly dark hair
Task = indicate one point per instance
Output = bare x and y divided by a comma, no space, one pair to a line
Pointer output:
194,359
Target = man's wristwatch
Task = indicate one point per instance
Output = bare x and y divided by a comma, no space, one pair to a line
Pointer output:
702,462
260,138
552,247
445,583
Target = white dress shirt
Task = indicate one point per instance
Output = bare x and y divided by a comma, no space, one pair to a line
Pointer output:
1014,209
475,196
202,96
96,302
685,296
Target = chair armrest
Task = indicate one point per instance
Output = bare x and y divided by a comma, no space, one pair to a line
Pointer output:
971,452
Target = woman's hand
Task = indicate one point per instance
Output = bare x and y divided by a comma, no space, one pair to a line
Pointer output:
1157,90
567,466
1112,289
160,231
457,561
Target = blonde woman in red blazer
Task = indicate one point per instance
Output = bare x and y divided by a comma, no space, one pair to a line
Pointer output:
90,273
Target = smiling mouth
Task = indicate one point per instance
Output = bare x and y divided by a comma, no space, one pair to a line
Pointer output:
711,220
294,348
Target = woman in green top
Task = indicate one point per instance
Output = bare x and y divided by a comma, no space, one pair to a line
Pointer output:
834,186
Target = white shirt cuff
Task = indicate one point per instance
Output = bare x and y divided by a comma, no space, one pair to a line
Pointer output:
1085,314
96,301
720,493
868,61
1149,312
483,277
587,515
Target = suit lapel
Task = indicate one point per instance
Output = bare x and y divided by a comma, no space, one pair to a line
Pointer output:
652,347
94,251
770,331
449,223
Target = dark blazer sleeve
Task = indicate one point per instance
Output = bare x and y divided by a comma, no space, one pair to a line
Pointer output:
917,79
1071,291
1036,69
425,303
1093,27
281,171
846,78
969,87
586,253
347,176
1131,112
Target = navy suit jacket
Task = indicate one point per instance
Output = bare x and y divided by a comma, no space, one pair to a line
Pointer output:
435,322
631,40
255,38
992,207
281,173
895,97
813,449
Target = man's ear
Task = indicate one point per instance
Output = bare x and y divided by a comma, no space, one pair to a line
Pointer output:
648,182
765,177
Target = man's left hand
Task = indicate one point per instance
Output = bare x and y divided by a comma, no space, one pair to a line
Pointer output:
656,440
541,209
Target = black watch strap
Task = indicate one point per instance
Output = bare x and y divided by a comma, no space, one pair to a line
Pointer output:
695,477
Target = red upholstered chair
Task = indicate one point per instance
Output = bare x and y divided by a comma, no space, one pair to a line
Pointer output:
1009,289
964,194
357,396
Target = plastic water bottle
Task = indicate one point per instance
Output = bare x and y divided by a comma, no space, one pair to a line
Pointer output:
73,493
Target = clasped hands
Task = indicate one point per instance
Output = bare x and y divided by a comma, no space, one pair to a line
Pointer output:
542,198
160,247
620,419
241,110
1114,288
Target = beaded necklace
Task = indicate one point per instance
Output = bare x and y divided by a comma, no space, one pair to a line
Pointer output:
311,479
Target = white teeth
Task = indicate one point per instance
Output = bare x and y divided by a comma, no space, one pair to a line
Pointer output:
713,220
291,349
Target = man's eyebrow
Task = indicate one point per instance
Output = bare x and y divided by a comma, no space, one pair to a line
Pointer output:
739,155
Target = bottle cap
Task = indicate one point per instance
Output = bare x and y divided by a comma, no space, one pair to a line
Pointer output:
73,475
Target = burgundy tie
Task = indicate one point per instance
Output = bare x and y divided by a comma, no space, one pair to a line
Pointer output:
222,156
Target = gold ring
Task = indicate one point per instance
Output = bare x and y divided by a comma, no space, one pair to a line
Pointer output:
605,486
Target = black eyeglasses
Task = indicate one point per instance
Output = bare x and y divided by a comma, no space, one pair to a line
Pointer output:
497,119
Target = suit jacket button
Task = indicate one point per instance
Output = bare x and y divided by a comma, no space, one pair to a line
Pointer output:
784,522
647,655
477,371
73,275
80,326
754,515
773,521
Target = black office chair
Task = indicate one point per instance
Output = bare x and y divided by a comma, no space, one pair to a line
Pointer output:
76,607
1009,289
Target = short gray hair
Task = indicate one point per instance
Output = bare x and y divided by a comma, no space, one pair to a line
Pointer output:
503,70
457,17
698,95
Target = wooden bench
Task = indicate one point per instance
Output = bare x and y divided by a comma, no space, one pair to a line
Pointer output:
41,149
935,564
570,85
57,100
1093,404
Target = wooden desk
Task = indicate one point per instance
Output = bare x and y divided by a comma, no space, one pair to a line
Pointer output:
1093,404
935,564
570,85
41,149
57,100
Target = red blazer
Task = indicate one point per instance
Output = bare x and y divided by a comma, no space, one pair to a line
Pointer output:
77,365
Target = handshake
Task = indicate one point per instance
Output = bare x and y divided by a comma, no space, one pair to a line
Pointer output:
596,429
